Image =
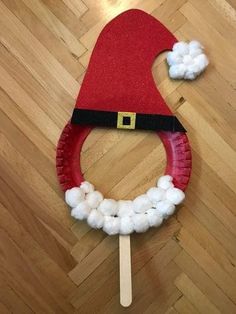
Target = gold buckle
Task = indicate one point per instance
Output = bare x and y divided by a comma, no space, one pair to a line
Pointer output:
120,120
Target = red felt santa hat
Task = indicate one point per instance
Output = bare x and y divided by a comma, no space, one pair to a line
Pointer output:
118,89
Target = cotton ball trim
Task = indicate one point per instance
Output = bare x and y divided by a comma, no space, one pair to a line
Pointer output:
74,196
154,217
187,60
165,182
165,207
175,196
111,225
142,204
87,187
155,194
126,225
108,207
95,219
125,208
141,223
81,211
94,199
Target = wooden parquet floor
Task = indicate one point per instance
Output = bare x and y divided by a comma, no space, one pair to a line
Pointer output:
48,262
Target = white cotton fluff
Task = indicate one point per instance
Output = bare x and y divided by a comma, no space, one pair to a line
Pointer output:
74,196
154,217
165,182
187,60
125,208
141,223
165,208
175,196
156,194
95,219
86,187
108,207
126,225
142,204
111,225
94,199
81,211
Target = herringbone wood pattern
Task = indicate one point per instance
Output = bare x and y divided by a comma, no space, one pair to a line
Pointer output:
48,262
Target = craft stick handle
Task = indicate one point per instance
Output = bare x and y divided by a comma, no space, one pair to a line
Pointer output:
125,271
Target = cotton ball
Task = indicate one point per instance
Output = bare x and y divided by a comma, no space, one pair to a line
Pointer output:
181,47
142,204
86,187
195,52
108,207
155,218
74,196
202,61
141,223
155,194
95,219
94,199
175,196
173,57
165,182
177,71
126,225
81,211
187,60
165,207
194,44
125,208
111,225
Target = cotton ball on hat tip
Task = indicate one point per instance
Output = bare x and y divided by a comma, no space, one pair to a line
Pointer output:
108,207
95,219
141,223
173,57
194,44
125,208
155,194
202,61
181,47
86,187
177,71
81,211
94,199
166,208
126,225
142,204
165,182
175,196
74,196
111,225
155,218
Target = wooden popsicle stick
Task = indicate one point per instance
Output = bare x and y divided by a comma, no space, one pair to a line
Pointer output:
125,271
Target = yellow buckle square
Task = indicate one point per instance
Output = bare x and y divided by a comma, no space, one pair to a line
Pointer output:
120,120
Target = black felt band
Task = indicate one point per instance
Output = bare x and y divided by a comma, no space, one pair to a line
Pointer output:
143,121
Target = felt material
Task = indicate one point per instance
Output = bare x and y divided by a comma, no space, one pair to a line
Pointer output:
143,121
119,75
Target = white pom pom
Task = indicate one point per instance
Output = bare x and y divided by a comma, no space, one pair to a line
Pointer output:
125,208
86,187
111,225
166,208
195,52
142,204
188,60
173,58
155,194
74,196
181,47
155,218
165,182
81,211
194,44
177,71
126,225
95,219
202,61
175,196
141,223
108,207
94,199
